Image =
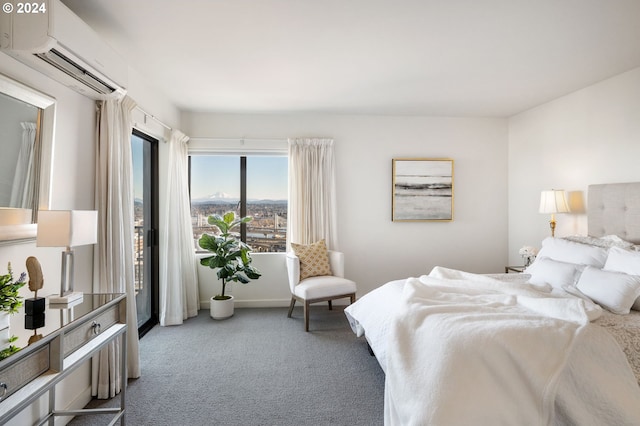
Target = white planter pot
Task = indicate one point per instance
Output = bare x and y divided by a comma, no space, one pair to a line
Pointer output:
221,309
4,331
4,320
4,338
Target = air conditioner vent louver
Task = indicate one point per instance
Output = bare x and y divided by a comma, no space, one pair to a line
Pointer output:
62,46
70,68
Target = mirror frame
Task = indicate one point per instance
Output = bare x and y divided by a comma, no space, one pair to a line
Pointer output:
11,234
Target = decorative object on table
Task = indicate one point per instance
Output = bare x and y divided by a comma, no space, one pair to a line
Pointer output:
10,301
422,189
230,256
34,337
34,305
528,254
67,228
32,322
551,202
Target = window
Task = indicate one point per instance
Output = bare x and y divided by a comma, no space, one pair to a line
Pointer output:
250,185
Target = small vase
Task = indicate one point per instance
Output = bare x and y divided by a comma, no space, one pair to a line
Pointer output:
4,320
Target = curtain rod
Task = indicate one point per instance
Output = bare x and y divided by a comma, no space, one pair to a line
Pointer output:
153,117
239,139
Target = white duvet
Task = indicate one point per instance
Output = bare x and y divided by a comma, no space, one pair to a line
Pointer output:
465,349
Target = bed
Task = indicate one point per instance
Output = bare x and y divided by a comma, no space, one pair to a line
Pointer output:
556,345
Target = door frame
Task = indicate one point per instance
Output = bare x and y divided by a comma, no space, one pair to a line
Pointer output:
152,238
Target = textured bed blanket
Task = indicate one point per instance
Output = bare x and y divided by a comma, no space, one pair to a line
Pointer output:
466,349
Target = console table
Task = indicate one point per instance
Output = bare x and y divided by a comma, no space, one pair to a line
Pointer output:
71,334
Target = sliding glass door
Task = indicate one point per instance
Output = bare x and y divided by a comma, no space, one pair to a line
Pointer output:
145,233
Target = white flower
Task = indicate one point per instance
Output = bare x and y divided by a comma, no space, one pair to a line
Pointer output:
528,251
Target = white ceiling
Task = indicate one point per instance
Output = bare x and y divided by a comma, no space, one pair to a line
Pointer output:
427,57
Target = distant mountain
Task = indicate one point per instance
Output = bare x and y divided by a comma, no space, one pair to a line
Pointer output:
254,201
224,198
218,197
235,201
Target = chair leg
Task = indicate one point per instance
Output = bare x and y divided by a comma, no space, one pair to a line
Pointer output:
306,316
293,302
353,298
330,306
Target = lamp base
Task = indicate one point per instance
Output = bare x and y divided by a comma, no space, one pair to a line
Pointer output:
67,298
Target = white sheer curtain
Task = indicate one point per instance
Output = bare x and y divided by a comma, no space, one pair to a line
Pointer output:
114,251
22,190
312,212
179,298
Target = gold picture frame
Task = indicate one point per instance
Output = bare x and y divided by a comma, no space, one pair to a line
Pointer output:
422,190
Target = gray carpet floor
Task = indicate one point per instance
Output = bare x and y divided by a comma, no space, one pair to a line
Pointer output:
256,368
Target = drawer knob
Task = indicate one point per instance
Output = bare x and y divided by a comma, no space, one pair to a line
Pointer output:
3,389
96,327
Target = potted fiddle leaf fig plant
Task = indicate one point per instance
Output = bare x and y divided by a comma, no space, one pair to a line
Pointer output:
230,256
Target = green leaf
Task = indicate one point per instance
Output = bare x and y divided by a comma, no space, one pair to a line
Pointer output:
252,272
230,256
10,301
229,217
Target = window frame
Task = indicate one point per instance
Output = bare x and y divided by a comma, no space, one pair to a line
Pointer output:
242,148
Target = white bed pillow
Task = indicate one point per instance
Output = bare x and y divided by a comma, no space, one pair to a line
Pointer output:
553,272
626,261
615,291
572,252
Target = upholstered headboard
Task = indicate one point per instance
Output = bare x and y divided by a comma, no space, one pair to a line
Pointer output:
614,209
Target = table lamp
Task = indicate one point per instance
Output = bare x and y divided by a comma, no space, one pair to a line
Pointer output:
551,202
67,228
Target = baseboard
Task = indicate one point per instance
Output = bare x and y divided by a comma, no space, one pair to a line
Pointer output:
268,303
263,303
273,303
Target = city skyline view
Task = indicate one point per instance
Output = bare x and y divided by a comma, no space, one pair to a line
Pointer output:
215,189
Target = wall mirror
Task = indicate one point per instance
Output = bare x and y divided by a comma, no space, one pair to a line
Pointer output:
27,119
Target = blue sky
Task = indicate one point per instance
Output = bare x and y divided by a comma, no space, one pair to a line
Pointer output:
266,176
137,159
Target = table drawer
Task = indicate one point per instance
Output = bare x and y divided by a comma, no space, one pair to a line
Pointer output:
90,329
24,371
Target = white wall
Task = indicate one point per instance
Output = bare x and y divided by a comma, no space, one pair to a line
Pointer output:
378,250
72,171
72,188
588,137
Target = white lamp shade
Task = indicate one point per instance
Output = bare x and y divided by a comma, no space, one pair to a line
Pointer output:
553,201
67,228
14,216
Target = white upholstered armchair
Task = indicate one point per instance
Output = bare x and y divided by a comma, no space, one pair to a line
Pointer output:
319,288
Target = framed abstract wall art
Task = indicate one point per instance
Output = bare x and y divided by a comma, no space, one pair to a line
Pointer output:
422,189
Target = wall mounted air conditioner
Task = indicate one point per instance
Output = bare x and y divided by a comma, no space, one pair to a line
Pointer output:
59,44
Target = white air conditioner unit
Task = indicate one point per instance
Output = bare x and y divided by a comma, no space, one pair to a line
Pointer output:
59,44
